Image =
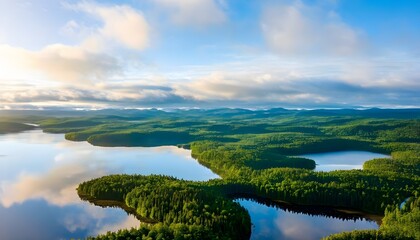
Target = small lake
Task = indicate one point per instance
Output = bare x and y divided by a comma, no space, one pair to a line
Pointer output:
344,160
39,173
271,223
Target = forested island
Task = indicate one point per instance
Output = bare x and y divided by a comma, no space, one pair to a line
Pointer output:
256,154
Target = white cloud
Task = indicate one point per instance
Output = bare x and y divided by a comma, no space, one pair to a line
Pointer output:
301,29
122,24
295,30
90,60
242,87
62,63
194,12
258,82
98,95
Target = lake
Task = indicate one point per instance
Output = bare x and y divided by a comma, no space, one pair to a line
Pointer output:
343,160
39,173
271,223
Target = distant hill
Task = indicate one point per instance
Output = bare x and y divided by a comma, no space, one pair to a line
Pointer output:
11,127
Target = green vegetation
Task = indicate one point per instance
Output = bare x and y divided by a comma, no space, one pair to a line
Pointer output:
13,127
398,223
256,153
187,210
145,139
161,231
63,125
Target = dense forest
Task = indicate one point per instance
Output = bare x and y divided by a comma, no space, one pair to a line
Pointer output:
256,154
198,207
398,223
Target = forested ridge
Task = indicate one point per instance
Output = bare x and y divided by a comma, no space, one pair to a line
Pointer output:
13,127
256,154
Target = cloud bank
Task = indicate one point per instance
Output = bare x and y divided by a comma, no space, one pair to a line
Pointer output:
267,87
150,54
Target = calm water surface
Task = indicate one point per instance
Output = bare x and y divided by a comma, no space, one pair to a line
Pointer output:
270,223
39,173
344,160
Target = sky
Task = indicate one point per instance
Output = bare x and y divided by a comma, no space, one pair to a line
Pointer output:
209,53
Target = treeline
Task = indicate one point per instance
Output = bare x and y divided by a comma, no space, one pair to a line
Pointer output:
163,232
364,235
226,160
355,189
258,156
369,191
407,162
143,139
116,187
173,202
326,144
398,223
311,210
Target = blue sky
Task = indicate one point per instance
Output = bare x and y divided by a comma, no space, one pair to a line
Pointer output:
209,53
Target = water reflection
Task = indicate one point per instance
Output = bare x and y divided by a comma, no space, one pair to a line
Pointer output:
37,219
39,174
296,223
344,160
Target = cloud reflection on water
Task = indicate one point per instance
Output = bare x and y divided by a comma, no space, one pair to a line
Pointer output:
342,160
69,163
40,220
56,186
271,224
39,174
